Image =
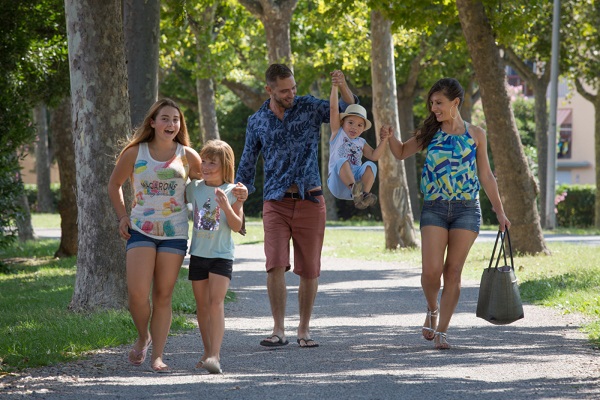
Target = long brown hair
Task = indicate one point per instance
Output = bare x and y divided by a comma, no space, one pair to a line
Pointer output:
145,132
451,89
223,152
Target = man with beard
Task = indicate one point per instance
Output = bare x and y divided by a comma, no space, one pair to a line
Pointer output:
286,129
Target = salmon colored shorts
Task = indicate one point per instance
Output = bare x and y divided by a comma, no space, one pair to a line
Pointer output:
303,221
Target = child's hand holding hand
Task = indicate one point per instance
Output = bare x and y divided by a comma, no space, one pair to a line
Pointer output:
386,132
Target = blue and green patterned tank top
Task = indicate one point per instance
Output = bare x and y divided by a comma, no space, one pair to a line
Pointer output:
450,170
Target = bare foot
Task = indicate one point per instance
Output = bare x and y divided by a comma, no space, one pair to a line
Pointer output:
274,341
159,366
305,342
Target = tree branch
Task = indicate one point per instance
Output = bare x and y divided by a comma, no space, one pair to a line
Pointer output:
519,65
254,7
252,98
408,88
584,93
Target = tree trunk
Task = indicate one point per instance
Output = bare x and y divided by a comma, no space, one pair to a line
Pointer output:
330,200
141,20
62,136
42,160
595,100
597,160
471,97
539,81
407,92
277,30
275,16
209,127
394,196
100,117
515,181
23,219
407,127
204,32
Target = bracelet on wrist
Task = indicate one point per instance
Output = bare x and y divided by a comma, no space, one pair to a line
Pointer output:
119,219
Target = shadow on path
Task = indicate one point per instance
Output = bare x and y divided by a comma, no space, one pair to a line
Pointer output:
367,319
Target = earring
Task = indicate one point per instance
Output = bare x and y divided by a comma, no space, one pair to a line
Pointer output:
451,116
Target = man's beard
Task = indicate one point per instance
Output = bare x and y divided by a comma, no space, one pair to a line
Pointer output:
284,104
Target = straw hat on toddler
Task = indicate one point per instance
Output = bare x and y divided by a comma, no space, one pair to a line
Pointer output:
359,111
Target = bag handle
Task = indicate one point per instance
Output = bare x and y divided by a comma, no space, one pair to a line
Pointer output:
494,251
512,263
502,251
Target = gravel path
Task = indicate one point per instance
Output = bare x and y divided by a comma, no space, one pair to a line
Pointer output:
366,318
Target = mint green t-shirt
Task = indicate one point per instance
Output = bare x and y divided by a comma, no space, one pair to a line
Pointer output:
211,234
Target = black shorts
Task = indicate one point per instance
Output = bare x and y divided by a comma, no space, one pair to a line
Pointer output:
200,267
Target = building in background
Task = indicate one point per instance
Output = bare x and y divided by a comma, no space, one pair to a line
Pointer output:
28,173
575,118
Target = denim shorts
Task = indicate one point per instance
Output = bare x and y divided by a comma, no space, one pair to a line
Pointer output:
452,214
175,246
200,267
336,185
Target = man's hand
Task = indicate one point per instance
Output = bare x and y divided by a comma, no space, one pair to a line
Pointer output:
240,191
338,78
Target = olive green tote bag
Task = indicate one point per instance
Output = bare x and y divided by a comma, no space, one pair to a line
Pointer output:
499,300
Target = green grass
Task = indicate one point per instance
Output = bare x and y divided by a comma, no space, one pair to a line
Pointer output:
569,280
365,245
36,327
40,220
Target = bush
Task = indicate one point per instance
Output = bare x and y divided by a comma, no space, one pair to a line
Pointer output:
11,190
575,205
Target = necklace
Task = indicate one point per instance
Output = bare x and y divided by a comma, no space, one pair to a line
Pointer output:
161,154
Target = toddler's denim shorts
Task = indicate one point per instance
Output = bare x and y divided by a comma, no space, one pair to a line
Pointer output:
337,186
175,246
452,214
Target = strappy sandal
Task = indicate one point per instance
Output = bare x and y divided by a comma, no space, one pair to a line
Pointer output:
429,329
442,342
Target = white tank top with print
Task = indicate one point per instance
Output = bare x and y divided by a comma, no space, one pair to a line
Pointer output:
159,209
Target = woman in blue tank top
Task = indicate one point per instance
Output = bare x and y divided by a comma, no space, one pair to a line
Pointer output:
452,175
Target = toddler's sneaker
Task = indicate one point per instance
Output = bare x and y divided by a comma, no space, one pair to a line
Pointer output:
369,199
366,200
357,193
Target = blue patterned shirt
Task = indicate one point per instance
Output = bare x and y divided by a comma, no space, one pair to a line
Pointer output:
450,169
290,148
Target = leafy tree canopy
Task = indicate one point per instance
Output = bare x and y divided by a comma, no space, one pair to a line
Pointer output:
33,68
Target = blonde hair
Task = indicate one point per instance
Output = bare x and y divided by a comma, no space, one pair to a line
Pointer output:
218,149
145,132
